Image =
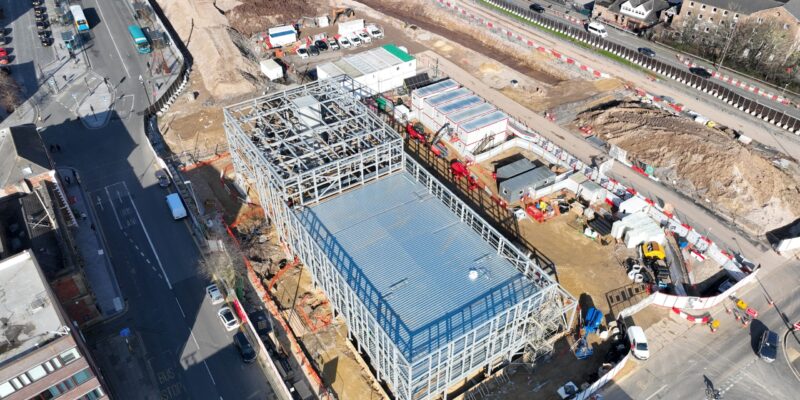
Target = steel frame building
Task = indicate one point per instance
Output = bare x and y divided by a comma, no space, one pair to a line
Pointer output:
298,147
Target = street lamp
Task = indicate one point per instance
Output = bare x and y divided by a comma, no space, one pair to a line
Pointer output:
141,80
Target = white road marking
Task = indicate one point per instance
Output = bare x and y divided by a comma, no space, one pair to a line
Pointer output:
194,339
113,208
100,203
209,373
106,24
656,392
180,308
147,235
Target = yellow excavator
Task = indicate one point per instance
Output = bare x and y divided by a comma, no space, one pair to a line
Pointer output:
339,11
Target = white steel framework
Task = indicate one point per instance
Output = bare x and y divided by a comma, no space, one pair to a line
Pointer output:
291,165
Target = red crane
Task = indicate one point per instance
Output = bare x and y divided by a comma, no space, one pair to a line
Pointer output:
460,170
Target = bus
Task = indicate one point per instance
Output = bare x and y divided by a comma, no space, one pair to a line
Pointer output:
139,39
80,20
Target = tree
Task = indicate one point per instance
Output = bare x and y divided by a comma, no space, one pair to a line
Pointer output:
9,91
225,264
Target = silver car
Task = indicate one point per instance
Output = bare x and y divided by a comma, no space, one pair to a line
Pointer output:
229,320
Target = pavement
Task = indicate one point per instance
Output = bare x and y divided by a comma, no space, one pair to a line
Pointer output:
96,264
181,350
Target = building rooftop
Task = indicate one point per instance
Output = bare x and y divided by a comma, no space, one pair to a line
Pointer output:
29,316
515,168
448,96
470,113
22,154
460,104
425,274
437,87
483,121
367,62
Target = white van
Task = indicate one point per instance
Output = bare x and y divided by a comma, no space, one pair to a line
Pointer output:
176,206
596,28
638,341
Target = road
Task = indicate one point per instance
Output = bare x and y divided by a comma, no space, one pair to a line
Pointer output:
663,53
188,353
727,358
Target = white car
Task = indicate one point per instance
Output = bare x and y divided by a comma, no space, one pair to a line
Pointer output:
364,37
374,31
332,44
214,294
229,320
354,39
343,42
302,52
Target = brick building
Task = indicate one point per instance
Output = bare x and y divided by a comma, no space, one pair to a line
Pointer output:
634,15
712,13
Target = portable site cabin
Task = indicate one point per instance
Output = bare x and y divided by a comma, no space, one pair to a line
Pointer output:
486,130
271,69
381,69
417,96
281,36
514,188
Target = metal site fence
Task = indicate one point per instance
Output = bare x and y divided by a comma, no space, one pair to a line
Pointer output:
743,103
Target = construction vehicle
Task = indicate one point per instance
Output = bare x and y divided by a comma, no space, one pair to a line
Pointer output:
438,148
416,131
339,11
652,250
460,170
652,256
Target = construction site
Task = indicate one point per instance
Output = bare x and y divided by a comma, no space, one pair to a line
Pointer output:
406,209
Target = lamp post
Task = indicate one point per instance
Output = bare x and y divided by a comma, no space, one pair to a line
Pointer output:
141,80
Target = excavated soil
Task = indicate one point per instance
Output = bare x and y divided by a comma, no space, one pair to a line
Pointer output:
252,16
701,162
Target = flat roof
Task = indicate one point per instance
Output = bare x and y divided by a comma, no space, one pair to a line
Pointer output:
398,52
482,121
22,154
515,168
436,88
459,104
409,257
30,317
445,97
465,115
367,62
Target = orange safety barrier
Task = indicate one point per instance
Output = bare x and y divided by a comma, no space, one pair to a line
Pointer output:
198,164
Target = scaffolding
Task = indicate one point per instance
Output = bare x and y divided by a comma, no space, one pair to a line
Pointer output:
300,146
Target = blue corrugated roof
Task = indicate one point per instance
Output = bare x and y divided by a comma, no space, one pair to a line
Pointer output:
408,257
471,112
484,120
451,95
282,33
459,104
436,87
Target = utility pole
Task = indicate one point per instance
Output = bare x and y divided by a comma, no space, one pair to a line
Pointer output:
146,94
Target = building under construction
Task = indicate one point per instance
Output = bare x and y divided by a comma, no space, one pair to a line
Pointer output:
429,290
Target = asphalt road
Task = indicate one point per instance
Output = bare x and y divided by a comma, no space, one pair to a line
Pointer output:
188,352
663,53
727,359
23,45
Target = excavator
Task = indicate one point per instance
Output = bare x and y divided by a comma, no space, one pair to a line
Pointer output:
339,11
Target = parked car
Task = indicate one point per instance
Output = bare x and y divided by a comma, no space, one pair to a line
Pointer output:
332,43
343,42
46,41
768,349
596,28
227,318
214,294
355,40
3,52
646,51
536,7
302,52
364,37
321,45
701,72
244,347
261,323
638,341
313,50
374,31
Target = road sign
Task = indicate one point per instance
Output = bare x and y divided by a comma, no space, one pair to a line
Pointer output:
125,332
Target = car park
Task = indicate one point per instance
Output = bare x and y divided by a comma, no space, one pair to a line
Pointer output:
332,43
321,45
244,347
536,7
364,37
227,318
646,51
302,52
638,341
701,72
313,50
214,294
768,347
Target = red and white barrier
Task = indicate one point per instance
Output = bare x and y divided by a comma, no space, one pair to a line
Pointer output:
737,83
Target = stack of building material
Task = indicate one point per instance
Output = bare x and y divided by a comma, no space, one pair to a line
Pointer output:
637,228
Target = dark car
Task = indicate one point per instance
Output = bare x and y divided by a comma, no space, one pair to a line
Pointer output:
313,50
261,322
321,45
536,8
646,51
245,348
768,349
702,72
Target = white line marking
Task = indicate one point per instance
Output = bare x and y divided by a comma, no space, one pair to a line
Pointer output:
180,308
656,392
209,373
100,203
194,339
113,208
147,235
106,23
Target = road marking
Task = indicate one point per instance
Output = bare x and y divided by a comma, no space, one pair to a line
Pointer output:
114,42
113,208
194,339
656,392
209,373
100,203
180,308
147,235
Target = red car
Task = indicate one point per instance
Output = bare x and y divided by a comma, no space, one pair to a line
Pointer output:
3,52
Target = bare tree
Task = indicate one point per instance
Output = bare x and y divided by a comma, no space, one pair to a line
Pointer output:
225,264
9,91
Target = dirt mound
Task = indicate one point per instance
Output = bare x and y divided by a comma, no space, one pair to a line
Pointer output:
252,16
702,162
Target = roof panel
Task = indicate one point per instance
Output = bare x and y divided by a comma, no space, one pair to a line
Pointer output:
470,113
451,95
460,104
436,88
484,120
411,257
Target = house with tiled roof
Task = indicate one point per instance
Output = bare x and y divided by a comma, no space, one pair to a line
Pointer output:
711,14
633,15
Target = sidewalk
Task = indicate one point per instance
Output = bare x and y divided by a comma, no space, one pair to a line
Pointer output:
122,361
95,110
97,266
